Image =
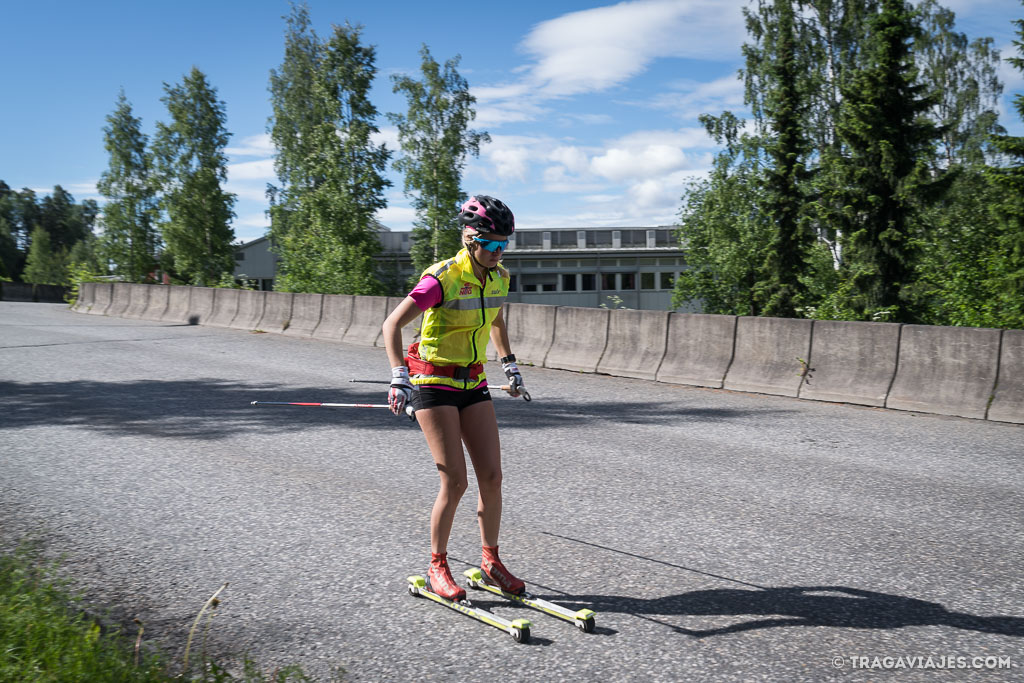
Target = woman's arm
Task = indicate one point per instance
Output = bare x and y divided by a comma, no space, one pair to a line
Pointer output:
404,313
499,335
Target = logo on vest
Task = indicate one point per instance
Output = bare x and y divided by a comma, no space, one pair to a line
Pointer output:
466,289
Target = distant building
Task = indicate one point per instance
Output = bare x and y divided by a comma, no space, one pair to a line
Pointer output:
590,267
255,262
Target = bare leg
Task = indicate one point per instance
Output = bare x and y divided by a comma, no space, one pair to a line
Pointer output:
480,433
441,427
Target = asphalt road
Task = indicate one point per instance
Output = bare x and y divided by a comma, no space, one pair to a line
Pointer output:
719,536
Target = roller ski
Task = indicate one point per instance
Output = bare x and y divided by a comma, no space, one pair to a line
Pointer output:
443,590
495,578
519,629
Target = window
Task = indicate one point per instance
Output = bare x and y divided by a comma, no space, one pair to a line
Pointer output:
529,287
668,280
239,255
647,280
549,287
588,282
628,281
608,281
568,282
513,282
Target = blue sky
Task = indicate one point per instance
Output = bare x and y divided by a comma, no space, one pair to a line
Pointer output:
592,107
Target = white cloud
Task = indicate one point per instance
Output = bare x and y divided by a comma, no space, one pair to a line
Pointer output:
398,218
252,170
596,49
574,159
690,99
253,146
650,154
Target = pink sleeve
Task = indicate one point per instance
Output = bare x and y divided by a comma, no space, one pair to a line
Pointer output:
427,293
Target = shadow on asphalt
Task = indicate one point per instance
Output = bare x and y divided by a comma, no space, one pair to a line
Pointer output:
213,409
831,606
787,606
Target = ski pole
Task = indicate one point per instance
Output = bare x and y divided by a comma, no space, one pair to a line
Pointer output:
408,409
504,387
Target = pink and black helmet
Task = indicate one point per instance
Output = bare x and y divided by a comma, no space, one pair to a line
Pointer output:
487,214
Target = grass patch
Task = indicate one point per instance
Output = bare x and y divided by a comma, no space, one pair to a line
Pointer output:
45,635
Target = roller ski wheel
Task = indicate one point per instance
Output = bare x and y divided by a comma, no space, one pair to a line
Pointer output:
583,619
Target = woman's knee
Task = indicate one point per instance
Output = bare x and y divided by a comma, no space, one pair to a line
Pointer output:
453,485
489,479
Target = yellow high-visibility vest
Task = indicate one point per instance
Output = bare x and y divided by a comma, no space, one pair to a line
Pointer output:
455,332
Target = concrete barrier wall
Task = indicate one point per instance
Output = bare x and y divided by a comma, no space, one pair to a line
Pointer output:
138,301
531,331
767,353
101,300
177,304
699,349
159,297
636,343
946,370
368,313
335,317
277,312
86,297
853,362
225,307
306,311
581,335
1008,404
250,309
942,370
200,305
120,299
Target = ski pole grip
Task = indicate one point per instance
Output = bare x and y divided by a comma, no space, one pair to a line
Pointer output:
411,412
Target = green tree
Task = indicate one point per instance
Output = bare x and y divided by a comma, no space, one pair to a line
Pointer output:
722,228
782,74
885,176
435,140
62,219
45,266
130,240
331,172
190,168
1007,182
10,255
962,75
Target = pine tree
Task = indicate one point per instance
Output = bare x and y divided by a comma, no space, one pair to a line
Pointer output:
45,266
884,176
781,289
331,172
130,240
435,141
190,169
1007,181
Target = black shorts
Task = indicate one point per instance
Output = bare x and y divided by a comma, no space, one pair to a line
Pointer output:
431,397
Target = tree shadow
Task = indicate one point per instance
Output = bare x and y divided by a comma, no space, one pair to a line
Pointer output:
211,408
793,606
787,606
205,409
518,414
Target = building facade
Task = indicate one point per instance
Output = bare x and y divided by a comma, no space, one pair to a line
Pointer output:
590,267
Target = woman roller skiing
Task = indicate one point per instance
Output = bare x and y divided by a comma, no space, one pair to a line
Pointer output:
461,301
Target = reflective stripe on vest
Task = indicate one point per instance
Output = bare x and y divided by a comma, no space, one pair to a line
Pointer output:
457,331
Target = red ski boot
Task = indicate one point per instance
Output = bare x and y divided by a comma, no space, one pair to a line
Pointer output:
441,581
497,573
